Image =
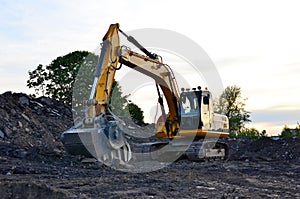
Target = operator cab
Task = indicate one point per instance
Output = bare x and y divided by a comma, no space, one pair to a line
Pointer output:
195,108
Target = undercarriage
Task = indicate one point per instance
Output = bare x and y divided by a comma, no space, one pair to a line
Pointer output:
91,143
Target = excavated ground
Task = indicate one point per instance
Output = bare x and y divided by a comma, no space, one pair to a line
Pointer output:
33,163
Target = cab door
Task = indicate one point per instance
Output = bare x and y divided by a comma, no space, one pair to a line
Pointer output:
206,114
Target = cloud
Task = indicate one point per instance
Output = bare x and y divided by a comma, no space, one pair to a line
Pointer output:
236,61
273,120
283,116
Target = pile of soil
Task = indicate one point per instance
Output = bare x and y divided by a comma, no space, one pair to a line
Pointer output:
265,148
30,125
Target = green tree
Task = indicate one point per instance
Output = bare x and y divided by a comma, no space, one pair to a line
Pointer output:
118,102
121,107
249,132
57,79
286,132
263,133
37,79
232,104
136,112
298,130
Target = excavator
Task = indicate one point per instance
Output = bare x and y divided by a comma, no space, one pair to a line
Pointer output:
187,128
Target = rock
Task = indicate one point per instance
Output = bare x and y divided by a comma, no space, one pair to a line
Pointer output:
20,153
25,117
7,131
13,112
131,127
24,100
26,123
20,124
57,151
46,100
2,134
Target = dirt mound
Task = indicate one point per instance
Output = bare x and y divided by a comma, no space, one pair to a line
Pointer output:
32,124
265,148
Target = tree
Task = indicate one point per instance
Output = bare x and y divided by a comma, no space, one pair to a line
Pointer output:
136,113
57,79
286,132
37,78
69,79
263,133
251,132
118,102
121,107
232,105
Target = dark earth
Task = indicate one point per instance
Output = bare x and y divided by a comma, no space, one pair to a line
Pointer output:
33,163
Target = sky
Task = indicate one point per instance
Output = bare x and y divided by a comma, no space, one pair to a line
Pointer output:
253,44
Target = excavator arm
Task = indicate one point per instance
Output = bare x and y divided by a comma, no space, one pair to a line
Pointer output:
106,69
112,55
164,78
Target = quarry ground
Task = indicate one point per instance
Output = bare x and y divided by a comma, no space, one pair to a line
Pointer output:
69,178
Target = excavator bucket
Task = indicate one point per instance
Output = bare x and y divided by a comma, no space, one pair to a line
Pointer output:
105,144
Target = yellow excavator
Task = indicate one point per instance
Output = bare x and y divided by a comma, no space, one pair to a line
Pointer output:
190,128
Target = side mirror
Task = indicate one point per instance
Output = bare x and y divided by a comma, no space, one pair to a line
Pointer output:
206,100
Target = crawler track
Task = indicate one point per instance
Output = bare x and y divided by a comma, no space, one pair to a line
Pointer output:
207,150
